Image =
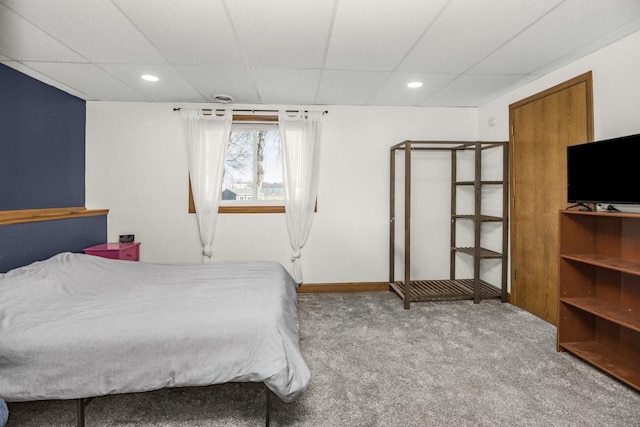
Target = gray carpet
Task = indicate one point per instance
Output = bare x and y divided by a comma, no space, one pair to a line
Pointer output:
375,364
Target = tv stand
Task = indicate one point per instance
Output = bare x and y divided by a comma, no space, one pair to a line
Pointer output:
583,207
599,291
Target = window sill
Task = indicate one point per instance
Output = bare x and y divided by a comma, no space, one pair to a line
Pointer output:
250,209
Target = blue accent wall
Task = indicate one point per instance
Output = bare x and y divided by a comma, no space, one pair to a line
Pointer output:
42,144
42,165
22,244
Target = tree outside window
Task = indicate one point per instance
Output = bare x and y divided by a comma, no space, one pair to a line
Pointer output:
253,166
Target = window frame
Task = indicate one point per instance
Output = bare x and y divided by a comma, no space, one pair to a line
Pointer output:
249,207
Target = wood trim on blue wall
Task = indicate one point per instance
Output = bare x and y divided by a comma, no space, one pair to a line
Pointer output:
39,215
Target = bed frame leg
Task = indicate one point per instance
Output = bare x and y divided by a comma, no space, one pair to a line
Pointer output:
80,405
268,405
80,412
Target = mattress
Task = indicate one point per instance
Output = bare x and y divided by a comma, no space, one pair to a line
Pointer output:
77,326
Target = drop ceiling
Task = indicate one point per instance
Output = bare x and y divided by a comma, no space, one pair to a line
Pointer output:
304,52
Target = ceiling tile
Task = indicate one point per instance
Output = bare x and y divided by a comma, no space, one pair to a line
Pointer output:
21,40
376,35
395,90
89,79
282,34
211,81
467,31
98,31
197,33
568,27
469,90
349,87
171,87
610,37
351,52
286,86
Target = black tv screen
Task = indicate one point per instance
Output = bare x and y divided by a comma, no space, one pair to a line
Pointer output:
604,171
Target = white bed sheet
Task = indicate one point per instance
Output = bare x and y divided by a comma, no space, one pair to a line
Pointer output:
78,326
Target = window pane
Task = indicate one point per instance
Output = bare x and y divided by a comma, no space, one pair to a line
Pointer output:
253,169
238,167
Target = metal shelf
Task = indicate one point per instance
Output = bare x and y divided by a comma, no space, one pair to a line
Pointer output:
474,288
445,290
483,253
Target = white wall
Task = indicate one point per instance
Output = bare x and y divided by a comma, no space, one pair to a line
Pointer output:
616,87
136,167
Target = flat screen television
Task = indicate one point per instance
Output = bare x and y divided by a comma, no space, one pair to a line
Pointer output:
606,171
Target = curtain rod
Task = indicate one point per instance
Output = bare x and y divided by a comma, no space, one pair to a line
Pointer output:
250,111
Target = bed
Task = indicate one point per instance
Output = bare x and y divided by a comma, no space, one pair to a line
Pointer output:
77,326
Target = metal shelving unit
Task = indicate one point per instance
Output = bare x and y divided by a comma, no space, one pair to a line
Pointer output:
452,288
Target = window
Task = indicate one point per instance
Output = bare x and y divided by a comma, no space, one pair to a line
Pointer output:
253,167
253,175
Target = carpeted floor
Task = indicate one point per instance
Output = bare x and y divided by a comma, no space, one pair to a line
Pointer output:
375,364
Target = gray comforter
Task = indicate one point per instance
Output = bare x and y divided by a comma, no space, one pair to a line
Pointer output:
79,326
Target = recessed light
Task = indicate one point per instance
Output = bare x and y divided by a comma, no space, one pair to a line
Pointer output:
414,85
149,78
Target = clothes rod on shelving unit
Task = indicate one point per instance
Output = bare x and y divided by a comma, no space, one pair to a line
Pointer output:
249,111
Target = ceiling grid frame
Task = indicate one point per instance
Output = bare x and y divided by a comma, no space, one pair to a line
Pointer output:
97,50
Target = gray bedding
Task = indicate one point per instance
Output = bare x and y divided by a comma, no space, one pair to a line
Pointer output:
79,326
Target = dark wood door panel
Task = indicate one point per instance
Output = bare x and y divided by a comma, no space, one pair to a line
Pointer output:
542,127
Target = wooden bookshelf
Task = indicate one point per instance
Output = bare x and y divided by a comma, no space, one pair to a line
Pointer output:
599,291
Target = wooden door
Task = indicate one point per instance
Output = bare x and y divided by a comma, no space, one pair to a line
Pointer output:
543,125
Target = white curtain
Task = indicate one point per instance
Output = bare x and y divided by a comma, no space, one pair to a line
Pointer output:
207,137
300,144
